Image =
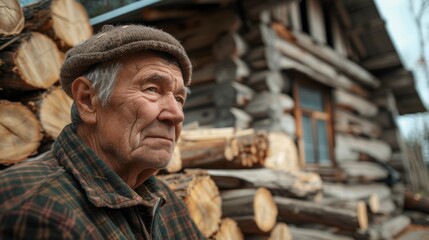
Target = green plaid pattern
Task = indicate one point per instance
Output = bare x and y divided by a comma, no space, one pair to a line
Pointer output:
70,193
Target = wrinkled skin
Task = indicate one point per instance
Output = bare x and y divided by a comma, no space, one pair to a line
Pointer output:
136,132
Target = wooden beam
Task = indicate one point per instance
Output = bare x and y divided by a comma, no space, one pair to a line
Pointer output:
355,191
295,184
357,103
328,55
349,147
382,61
298,211
311,233
316,21
350,123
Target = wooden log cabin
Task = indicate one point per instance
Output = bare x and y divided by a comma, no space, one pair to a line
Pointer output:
325,72
318,82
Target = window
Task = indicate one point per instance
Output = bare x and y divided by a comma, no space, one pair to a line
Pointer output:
314,123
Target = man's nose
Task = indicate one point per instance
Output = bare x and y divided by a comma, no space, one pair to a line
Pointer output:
171,110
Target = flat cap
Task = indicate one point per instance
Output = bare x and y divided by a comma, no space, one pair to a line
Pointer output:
115,42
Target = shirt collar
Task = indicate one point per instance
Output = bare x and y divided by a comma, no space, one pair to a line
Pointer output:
103,187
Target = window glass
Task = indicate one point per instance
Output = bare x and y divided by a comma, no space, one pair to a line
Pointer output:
308,139
322,141
310,99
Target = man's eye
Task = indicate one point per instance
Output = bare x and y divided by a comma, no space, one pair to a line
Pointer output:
152,89
180,100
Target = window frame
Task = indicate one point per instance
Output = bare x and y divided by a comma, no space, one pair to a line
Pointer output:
326,115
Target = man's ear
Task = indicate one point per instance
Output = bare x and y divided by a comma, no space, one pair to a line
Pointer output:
85,97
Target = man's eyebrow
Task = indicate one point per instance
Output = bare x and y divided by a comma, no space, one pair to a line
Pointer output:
162,79
184,91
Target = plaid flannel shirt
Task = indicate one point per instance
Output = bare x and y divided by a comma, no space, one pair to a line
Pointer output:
70,193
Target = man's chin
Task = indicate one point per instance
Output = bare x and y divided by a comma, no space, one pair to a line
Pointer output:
155,160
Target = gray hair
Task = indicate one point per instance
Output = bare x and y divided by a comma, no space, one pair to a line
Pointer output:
102,78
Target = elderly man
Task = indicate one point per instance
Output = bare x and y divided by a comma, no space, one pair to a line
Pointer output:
128,84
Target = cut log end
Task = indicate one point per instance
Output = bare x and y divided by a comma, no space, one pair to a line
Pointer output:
362,215
38,61
11,18
175,164
205,195
374,203
265,210
20,130
201,197
229,230
55,111
280,232
70,22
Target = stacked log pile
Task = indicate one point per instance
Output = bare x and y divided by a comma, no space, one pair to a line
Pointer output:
33,108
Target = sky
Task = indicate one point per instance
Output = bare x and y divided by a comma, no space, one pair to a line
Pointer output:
403,31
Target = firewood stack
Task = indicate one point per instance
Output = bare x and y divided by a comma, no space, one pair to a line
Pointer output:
247,205
33,108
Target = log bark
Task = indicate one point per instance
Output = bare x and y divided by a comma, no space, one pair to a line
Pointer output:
282,154
298,211
416,202
279,232
327,54
222,148
358,104
228,94
356,191
204,116
232,94
228,230
355,125
32,62
201,196
201,95
372,204
267,104
11,18
210,116
231,69
253,209
20,130
389,228
271,81
387,207
53,110
204,74
363,171
280,122
65,21
314,234
290,50
294,184
200,58
229,44
203,29
348,148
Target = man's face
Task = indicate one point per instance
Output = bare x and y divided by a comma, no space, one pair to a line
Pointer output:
141,124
